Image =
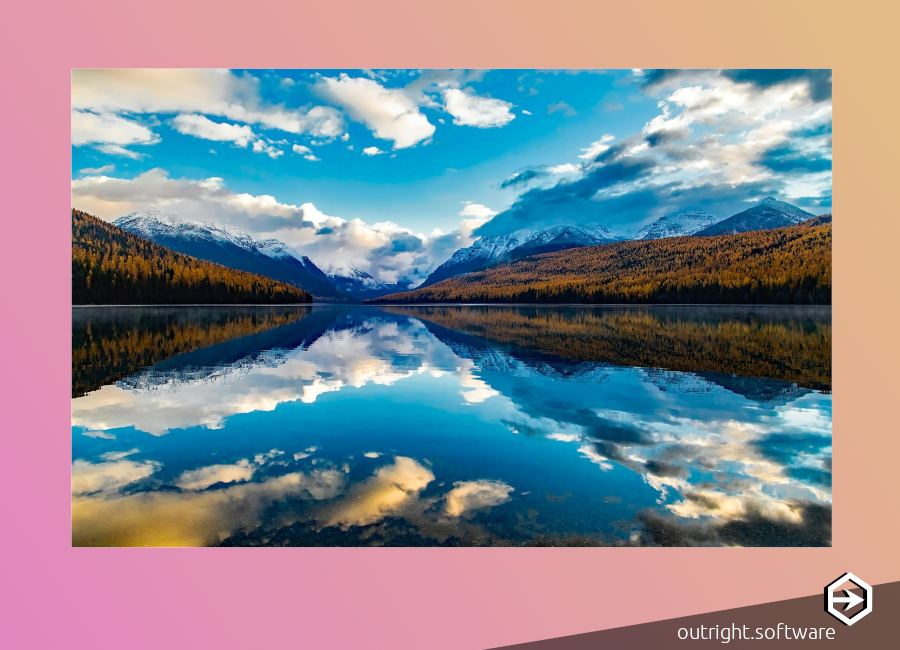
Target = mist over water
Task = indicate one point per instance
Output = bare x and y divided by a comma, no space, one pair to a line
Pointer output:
452,426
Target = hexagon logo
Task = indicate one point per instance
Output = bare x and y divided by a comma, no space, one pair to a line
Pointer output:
845,597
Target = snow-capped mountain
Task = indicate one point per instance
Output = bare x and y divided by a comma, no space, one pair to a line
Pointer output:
232,247
768,213
362,285
678,224
488,251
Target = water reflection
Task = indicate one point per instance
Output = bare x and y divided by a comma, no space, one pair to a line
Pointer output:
456,426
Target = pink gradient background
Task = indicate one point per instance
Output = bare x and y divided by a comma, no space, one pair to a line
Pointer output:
413,598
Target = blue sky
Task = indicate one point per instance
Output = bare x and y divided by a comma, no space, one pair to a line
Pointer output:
390,171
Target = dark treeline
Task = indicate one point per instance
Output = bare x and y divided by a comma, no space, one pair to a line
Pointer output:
109,345
114,267
780,266
747,341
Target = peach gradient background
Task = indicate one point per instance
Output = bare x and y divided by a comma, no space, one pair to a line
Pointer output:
416,598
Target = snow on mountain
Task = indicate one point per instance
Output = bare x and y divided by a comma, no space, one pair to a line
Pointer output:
487,251
153,222
678,224
768,213
363,286
232,247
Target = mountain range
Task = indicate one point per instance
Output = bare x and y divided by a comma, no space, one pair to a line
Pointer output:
488,251
678,224
768,213
363,286
788,265
232,247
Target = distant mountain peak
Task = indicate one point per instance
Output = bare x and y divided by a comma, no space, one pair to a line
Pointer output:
768,213
363,285
230,246
678,224
493,249
156,222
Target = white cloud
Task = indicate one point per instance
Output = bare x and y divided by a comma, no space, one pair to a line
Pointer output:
345,137
300,149
110,476
200,126
392,489
469,109
372,151
118,150
97,170
312,157
209,92
468,496
118,455
524,112
202,478
567,168
266,147
385,250
475,215
111,130
390,113
597,147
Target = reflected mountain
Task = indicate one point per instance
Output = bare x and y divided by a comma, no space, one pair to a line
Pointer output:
111,343
790,344
456,426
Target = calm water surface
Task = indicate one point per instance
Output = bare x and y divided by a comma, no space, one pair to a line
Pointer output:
310,426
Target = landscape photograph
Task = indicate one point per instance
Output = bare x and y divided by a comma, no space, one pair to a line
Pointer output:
418,307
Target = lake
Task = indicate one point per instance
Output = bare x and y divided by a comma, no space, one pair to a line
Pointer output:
451,425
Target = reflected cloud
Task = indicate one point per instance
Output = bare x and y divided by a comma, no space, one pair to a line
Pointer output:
392,488
192,518
109,476
721,458
468,496
200,479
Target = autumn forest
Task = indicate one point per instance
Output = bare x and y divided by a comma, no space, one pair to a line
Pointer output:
111,266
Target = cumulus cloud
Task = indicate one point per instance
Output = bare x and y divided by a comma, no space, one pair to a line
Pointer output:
469,496
390,113
474,216
202,478
720,139
372,151
392,488
108,476
109,129
202,91
195,517
469,109
267,147
387,251
200,126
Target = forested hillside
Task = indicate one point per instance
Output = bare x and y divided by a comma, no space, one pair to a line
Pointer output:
111,266
789,265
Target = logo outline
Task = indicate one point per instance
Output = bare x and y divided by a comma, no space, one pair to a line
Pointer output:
850,598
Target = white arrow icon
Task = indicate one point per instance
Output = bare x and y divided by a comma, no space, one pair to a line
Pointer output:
851,599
